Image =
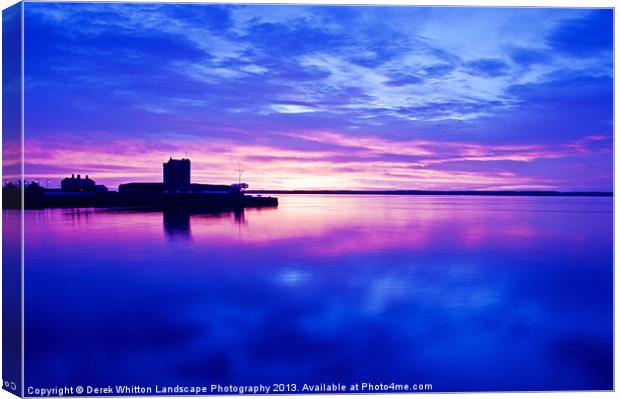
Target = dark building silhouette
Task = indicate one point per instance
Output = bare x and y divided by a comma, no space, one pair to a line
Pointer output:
11,196
195,188
177,175
77,184
141,188
34,187
177,180
175,192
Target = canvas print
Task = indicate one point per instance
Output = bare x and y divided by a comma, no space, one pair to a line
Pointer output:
221,199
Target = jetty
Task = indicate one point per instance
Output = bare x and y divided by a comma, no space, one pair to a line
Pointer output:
175,192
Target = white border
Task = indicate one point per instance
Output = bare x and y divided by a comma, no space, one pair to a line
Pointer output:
484,3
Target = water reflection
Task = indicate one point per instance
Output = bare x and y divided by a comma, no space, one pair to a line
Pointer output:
177,223
464,293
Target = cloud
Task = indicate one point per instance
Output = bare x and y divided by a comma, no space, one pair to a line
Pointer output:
528,56
401,94
293,108
398,80
489,68
364,162
585,36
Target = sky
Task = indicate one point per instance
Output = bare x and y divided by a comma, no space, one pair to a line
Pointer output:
321,97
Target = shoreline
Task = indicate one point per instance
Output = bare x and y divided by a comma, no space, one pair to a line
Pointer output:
446,193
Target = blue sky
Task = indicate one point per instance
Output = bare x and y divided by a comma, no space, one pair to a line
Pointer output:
322,96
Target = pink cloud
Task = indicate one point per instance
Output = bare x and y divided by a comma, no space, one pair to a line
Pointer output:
353,163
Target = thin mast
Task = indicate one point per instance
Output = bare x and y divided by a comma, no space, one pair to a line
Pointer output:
240,172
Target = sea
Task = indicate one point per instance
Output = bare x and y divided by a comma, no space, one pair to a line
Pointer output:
449,293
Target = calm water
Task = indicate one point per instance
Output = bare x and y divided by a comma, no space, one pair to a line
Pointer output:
465,293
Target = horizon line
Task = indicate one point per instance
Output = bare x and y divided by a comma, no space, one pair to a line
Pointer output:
597,193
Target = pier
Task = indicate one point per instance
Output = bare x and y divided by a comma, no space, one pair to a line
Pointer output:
175,192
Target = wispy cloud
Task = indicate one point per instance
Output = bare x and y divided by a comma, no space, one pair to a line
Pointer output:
324,96
365,162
